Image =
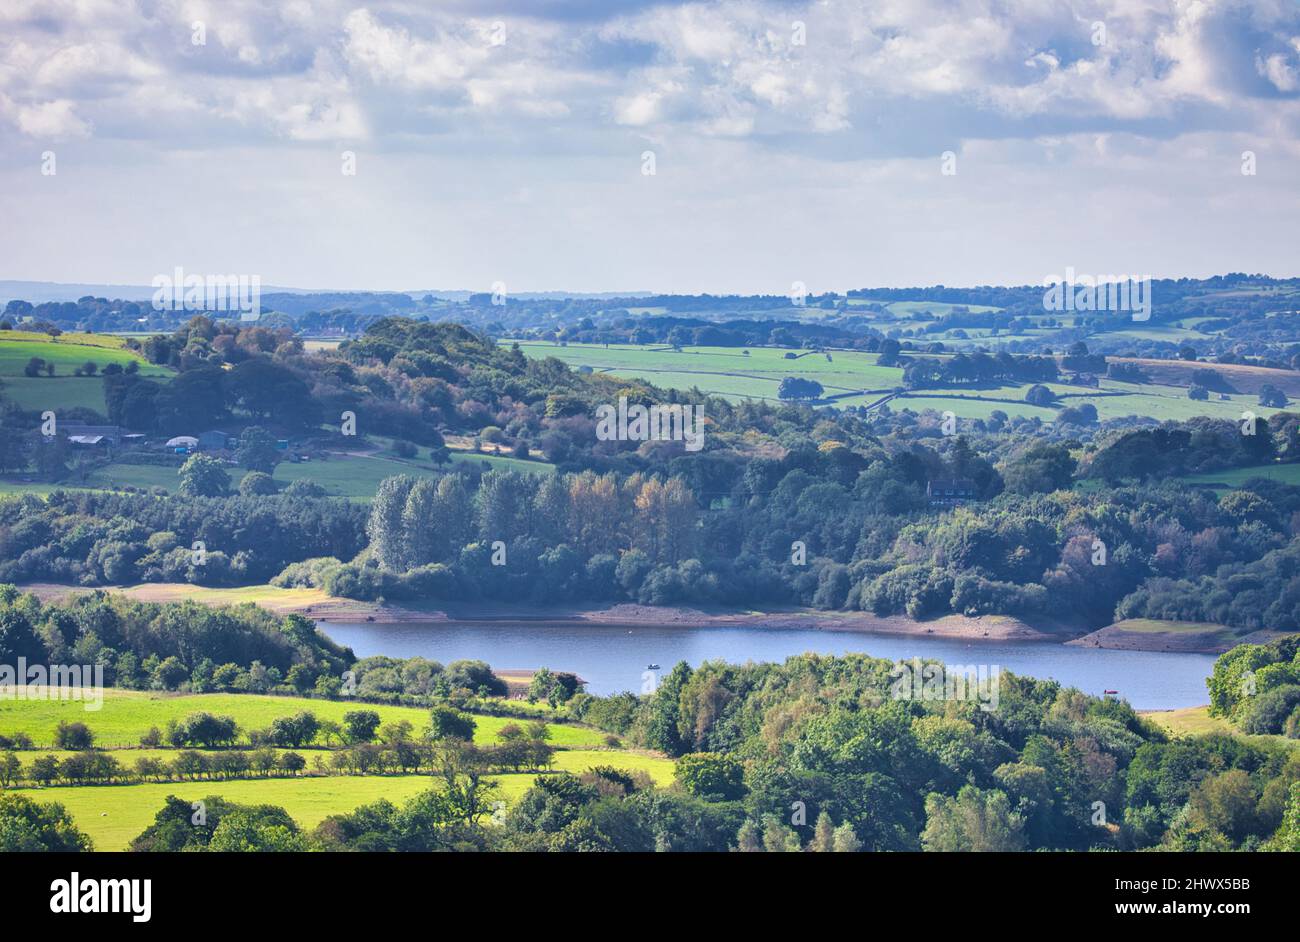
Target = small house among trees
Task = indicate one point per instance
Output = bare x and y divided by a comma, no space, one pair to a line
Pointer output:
949,492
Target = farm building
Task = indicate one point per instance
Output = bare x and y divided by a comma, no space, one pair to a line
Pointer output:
948,492
213,441
79,433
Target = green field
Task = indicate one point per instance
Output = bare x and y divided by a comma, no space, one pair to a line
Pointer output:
734,372
1197,721
1144,626
908,308
1235,477
969,406
358,476
1161,402
112,815
851,378
658,768
1112,399
126,715
67,353
937,308
353,476
54,393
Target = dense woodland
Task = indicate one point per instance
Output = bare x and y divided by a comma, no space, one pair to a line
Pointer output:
146,645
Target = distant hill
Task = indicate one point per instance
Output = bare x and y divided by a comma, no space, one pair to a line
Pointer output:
40,292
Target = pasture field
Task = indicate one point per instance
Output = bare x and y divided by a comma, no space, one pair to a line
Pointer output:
1235,477
937,308
126,715
1159,402
970,405
68,352
1167,332
658,768
1112,399
1160,626
356,477
113,815
57,392
908,308
1197,721
272,598
734,372
852,378
127,757
1189,721
1245,380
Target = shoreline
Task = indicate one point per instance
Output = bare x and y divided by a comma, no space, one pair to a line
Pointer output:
1176,638
326,609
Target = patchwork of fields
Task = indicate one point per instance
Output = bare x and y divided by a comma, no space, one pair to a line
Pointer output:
849,378
852,378
734,372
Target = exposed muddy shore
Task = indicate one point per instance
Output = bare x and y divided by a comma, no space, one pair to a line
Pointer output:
324,608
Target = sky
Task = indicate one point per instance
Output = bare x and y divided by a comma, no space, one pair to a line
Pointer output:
617,145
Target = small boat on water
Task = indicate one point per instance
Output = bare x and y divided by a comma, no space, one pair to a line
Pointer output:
652,667
1110,691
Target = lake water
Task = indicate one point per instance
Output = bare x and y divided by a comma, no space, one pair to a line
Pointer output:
613,659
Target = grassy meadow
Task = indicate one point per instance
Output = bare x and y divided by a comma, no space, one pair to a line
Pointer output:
67,352
114,814
1197,721
852,378
733,372
355,476
126,715
1235,477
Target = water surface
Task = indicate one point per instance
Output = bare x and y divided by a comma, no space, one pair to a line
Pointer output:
613,658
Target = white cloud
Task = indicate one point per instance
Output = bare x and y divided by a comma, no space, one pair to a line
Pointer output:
734,66
745,123
638,110
1278,70
388,54
49,120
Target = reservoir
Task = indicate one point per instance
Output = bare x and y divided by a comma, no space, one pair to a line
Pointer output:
613,658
